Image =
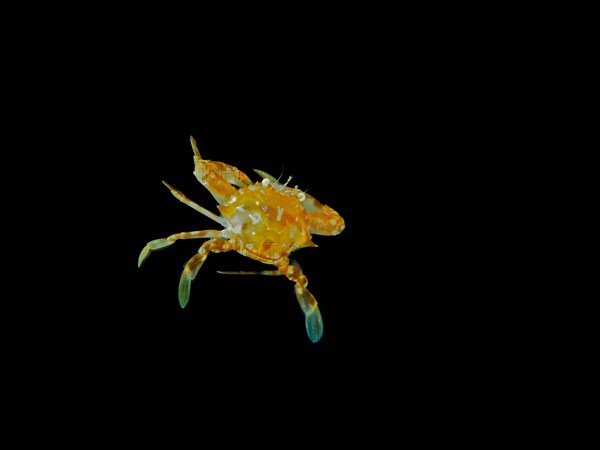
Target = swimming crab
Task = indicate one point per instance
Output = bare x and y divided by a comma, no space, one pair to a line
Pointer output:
265,221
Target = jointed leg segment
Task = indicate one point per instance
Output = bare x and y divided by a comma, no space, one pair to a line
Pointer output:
192,267
246,272
165,242
183,199
308,303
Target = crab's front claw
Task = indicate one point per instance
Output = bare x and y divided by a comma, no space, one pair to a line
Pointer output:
322,219
313,319
219,178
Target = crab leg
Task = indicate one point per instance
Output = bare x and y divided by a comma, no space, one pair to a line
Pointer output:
157,244
308,303
223,171
243,272
190,270
219,178
183,199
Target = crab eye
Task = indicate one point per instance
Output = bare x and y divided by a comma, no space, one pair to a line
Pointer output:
301,196
265,182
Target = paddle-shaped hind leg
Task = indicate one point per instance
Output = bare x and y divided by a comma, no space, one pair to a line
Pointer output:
192,267
313,320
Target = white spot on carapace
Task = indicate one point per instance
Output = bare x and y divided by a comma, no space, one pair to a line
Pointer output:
292,234
301,196
257,202
255,217
237,229
276,255
279,213
265,182
232,199
253,233
240,207
264,208
252,187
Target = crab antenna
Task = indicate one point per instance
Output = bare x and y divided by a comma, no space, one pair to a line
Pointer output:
195,147
280,175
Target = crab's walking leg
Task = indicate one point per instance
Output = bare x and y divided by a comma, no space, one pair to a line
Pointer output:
192,267
243,272
183,199
314,322
165,242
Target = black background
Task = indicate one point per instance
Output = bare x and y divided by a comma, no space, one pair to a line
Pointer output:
388,134
421,128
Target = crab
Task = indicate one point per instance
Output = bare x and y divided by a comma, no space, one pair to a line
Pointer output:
265,221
